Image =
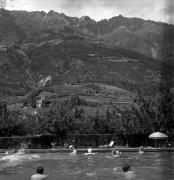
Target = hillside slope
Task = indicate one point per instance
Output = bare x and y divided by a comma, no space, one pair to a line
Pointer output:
122,52
76,61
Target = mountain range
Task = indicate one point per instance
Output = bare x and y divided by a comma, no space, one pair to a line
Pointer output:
118,51
150,38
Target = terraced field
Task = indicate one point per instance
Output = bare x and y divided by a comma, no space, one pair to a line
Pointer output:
79,67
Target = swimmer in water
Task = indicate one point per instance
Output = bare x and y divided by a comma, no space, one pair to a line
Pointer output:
39,174
12,156
116,153
89,152
128,174
140,151
74,152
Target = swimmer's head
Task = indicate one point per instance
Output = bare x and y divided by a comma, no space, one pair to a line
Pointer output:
117,152
126,168
40,170
90,150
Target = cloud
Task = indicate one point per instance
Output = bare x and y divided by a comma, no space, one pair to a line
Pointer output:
169,11
100,9
3,3
76,4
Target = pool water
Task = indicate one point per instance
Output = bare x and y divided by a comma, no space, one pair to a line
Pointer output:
63,166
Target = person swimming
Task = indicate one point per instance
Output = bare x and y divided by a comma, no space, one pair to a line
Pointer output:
128,173
89,152
20,155
116,153
12,156
140,150
74,152
39,174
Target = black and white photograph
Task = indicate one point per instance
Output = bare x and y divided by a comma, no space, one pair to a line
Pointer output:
86,89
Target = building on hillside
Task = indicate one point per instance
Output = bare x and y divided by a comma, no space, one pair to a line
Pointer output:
39,103
42,100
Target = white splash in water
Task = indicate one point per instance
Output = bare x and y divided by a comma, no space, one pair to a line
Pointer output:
19,156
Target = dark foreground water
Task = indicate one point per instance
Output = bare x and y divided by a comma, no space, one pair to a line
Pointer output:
59,166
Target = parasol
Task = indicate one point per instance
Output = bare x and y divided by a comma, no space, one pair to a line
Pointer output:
158,135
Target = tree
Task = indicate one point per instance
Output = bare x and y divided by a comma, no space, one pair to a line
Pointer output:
148,114
10,122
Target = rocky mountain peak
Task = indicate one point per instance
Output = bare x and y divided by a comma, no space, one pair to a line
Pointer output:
87,20
130,33
55,19
52,13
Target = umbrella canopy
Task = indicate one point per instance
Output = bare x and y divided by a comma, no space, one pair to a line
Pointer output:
157,135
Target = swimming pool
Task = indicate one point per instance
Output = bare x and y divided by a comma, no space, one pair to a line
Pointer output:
63,166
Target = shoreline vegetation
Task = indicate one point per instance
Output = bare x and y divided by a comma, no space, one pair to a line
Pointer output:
130,126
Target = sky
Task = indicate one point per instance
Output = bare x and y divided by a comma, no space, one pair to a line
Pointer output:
157,10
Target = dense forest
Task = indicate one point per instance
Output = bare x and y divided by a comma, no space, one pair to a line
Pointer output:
133,125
